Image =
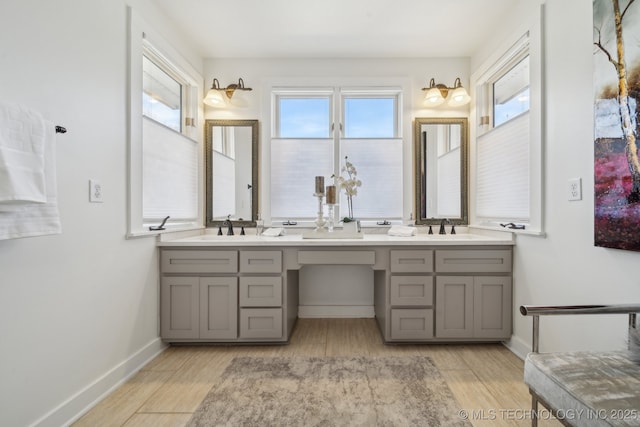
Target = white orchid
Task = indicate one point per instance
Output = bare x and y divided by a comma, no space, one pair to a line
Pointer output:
350,184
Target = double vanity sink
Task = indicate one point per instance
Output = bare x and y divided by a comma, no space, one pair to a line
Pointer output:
427,288
366,240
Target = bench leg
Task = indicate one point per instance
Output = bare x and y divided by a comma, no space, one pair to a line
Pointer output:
534,410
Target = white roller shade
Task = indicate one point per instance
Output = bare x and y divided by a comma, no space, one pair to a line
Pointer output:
170,173
294,165
503,171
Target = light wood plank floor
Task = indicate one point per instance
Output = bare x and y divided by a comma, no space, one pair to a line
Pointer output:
485,379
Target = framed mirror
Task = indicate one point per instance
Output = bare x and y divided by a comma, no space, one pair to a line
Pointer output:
231,171
441,168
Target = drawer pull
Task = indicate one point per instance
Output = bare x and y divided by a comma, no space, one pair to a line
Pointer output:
214,261
473,261
411,260
260,261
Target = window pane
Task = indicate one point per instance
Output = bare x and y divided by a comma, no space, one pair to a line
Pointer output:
294,166
369,117
503,172
170,173
161,95
511,93
379,167
303,117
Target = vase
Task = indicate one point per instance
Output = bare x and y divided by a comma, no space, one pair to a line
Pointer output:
352,226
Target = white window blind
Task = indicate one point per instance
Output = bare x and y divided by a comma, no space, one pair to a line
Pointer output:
503,171
170,173
379,167
294,165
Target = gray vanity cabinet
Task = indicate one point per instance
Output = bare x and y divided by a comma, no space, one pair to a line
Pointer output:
199,307
411,294
473,294
422,293
194,305
211,295
261,295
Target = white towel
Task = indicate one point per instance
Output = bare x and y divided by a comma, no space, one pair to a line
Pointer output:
273,232
22,146
401,231
26,219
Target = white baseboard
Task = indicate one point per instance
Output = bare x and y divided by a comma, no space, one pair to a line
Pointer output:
518,347
80,403
335,311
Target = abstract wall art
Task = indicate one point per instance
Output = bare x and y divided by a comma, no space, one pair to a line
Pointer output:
616,41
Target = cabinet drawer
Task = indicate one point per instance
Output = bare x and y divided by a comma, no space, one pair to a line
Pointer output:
260,291
413,261
411,290
261,261
473,261
199,261
260,323
411,323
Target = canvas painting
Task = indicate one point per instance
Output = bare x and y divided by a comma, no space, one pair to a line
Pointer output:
616,40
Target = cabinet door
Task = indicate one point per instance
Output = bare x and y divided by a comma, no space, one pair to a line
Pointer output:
219,307
179,307
492,307
454,307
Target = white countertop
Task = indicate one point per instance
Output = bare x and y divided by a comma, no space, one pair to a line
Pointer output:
377,239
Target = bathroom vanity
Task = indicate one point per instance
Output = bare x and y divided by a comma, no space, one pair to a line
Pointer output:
427,288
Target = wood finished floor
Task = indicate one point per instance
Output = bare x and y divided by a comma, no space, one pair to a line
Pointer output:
485,379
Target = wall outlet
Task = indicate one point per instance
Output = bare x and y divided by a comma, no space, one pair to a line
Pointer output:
575,189
95,191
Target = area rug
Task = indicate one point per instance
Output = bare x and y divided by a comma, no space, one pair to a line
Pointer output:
332,391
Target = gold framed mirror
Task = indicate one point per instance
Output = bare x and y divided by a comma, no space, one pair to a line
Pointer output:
231,172
441,151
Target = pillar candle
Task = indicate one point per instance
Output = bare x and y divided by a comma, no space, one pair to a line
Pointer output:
331,194
319,184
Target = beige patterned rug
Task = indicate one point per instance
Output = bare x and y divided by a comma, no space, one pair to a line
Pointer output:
332,391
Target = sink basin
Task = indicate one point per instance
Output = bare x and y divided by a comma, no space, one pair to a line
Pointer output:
223,237
452,236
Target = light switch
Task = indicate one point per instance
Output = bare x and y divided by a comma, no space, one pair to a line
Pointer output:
95,191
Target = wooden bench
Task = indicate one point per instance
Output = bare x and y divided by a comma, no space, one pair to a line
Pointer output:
584,388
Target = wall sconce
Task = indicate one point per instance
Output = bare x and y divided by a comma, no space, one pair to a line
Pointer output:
437,93
221,96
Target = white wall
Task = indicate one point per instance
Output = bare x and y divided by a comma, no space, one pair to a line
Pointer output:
564,267
78,311
338,291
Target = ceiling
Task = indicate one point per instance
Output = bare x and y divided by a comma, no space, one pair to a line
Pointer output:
335,28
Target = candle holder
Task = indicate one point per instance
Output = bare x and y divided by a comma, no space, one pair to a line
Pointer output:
320,222
330,208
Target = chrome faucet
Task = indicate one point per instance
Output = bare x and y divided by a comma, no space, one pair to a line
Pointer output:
442,223
229,225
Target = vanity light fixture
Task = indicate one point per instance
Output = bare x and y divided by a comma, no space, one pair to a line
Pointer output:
221,96
436,94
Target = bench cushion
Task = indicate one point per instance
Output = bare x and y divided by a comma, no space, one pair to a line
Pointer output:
589,388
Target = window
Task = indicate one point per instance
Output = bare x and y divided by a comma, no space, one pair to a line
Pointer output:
511,93
164,171
507,173
315,129
161,95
